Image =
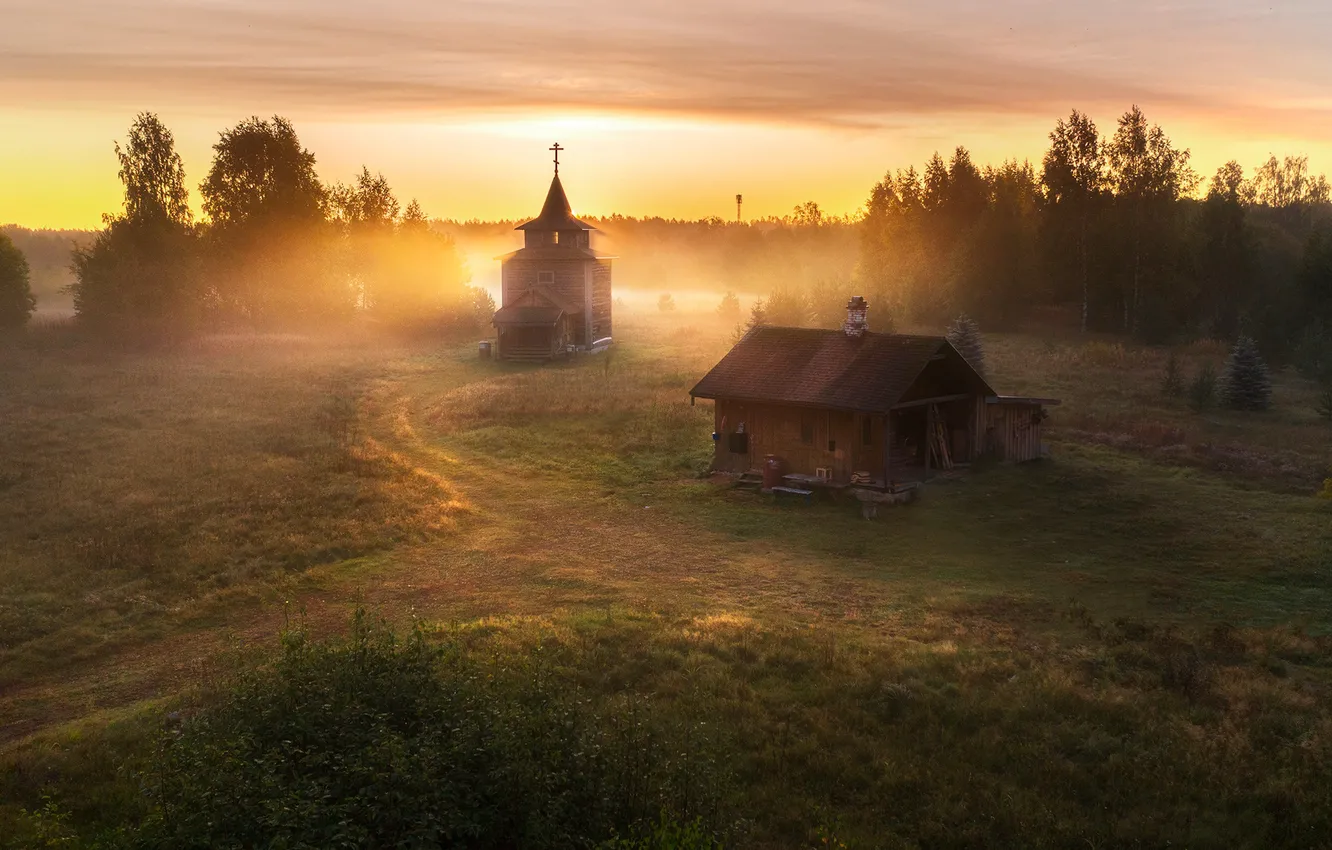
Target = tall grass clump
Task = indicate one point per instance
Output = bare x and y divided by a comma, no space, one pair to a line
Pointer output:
1172,381
1202,389
375,741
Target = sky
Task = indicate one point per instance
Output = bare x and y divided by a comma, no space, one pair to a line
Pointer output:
664,107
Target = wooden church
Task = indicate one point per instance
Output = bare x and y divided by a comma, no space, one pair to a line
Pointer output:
555,291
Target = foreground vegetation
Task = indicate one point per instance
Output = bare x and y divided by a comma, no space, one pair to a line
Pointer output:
1125,646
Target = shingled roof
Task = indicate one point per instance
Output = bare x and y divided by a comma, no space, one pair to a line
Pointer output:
556,214
539,305
812,367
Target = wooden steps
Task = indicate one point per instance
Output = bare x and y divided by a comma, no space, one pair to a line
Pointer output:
751,480
526,354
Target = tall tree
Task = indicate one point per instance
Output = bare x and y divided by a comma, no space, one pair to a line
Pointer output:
140,274
966,192
16,300
892,255
1225,258
1073,173
1287,187
369,213
1148,175
275,257
426,278
1001,268
1315,277
262,175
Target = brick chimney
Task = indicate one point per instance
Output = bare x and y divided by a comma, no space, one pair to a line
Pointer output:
857,321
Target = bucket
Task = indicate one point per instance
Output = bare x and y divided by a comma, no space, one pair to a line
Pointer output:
772,472
483,348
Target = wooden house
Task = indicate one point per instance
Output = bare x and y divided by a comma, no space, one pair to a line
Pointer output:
853,407
555,291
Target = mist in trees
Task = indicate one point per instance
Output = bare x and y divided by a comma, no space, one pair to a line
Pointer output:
1111,229
276,248
140,275
404,269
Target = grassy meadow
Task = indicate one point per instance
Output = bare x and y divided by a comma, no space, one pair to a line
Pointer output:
1129,644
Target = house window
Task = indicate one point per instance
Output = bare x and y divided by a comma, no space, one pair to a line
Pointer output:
867,431
546,278
832,445
807,429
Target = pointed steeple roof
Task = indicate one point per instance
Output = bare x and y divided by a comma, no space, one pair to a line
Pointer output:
556,214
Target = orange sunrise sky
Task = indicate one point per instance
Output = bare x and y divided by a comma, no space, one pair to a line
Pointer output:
665,108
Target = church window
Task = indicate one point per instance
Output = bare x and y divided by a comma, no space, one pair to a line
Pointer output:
546,278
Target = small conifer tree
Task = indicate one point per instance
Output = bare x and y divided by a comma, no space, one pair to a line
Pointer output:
1247,384
965,336
758,315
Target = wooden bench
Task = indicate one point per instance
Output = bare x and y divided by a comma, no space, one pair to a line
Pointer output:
793,491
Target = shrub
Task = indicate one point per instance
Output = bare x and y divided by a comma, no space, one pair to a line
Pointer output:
666,303
1202,389
373,742
1172,382
965,336
826,303
16,299
1313,353
787,308
1247,384
483,306
729,308
1323,403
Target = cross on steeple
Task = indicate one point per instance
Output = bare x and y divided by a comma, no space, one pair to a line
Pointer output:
556,147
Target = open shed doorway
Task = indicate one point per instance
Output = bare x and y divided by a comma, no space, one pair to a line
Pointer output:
927,438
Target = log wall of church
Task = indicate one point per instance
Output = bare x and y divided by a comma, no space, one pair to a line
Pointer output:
570,283
602,300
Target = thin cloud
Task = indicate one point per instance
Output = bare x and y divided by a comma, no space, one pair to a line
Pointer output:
836,62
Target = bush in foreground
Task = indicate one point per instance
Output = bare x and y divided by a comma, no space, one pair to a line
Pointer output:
372,742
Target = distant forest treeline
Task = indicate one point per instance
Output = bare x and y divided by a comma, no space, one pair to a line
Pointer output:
276,247
755,257
1115,228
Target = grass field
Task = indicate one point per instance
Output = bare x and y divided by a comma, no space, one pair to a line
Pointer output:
1127,645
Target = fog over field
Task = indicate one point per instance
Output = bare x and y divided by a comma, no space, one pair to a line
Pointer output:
901,428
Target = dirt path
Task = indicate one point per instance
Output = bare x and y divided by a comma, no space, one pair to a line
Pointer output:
528,546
